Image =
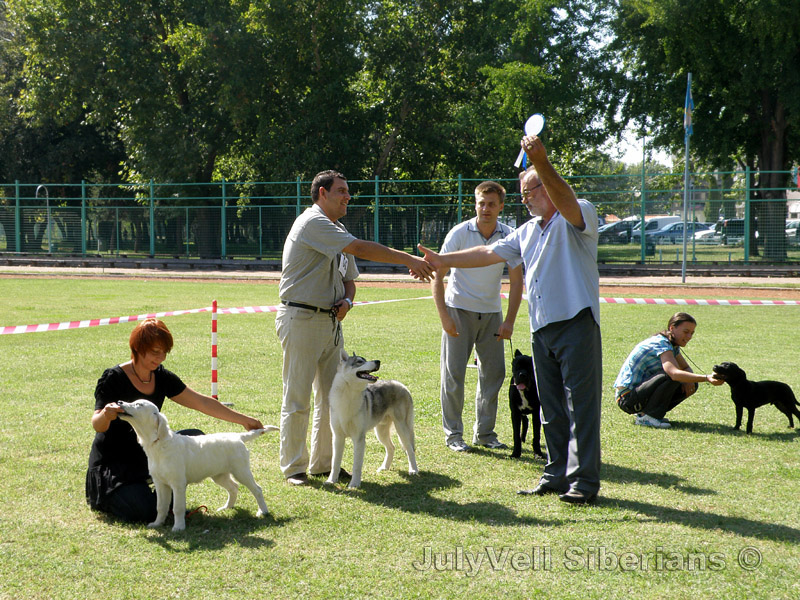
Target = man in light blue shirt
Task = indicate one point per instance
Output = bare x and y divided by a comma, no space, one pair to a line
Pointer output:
559,250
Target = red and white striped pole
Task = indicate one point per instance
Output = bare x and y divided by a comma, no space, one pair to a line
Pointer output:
214,350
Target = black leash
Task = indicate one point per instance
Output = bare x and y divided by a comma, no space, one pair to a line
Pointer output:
699,370
336,324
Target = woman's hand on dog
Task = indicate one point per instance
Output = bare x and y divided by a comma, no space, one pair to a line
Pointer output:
102,418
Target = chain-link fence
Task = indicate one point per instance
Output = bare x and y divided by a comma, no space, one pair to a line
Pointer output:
727,218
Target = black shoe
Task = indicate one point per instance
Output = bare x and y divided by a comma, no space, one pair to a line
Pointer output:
577,497
342,474
298,479
539,490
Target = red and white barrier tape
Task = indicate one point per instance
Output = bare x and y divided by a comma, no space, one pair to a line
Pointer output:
13,329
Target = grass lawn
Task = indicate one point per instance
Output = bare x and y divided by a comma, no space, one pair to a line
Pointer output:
698,511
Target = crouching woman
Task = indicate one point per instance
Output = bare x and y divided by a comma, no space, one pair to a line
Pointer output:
655,378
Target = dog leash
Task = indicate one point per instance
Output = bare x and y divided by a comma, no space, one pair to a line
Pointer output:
336,324
699,370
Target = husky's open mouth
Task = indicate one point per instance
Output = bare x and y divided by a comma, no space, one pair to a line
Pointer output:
367,375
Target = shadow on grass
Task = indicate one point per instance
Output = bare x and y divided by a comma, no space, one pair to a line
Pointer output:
716,428
527,456
668,481
698,519
415,496
212,531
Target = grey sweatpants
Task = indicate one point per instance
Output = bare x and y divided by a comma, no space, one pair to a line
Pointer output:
475,330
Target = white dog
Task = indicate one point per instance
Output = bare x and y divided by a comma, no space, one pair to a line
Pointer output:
358,404
176,460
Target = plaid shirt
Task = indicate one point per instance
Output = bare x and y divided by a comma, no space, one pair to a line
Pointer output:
643,363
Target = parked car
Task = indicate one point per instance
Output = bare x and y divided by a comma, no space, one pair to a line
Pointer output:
731,231
708,236
651,225
618,232
673,233
793,232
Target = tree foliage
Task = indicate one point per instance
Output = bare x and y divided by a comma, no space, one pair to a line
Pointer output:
744,57
275,89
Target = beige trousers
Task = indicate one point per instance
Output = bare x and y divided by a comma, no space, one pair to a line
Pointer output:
312,345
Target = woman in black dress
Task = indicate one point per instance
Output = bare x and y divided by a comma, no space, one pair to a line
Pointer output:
117,481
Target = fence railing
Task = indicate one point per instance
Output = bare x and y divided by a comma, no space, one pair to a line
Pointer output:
251,219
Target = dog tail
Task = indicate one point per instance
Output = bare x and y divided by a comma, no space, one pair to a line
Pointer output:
253,434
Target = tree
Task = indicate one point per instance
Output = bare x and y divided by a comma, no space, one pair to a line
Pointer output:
743,56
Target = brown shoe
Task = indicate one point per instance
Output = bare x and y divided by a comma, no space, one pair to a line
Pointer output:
298,479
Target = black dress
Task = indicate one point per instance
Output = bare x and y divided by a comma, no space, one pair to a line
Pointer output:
116,458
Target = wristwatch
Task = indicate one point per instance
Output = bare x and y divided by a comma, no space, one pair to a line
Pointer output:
349,302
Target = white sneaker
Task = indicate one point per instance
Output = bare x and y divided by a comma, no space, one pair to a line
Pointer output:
649,421
458,446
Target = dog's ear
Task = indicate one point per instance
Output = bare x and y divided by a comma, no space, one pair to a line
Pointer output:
517,353
161,426
343,354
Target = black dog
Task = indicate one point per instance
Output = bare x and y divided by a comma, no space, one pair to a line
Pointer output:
752,394
523,401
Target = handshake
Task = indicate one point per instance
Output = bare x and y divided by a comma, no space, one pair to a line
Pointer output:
425,267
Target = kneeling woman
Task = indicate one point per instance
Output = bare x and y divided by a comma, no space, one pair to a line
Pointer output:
117,478
655,377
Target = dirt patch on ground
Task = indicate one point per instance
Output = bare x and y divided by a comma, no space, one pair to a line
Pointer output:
643,287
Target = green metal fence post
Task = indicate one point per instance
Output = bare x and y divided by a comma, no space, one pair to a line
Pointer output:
642,208
747,215
18,219
458,220
223,226
375,217
152,221
186,220
83,217
297,206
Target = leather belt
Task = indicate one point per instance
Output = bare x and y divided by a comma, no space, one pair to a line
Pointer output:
305,306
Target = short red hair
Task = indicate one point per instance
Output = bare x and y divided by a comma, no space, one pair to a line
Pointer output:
147,335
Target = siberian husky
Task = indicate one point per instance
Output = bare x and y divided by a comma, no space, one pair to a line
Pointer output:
360,402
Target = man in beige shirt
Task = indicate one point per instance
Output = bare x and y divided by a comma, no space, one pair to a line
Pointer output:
317,289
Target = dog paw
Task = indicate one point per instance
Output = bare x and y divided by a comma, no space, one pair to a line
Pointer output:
413,471
262,513
155,524
177,527
353,486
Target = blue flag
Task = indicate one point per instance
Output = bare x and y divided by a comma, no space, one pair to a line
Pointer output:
688,108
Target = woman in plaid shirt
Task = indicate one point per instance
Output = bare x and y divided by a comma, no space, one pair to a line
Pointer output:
655,377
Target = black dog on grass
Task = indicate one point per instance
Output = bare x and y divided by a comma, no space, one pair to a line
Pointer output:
752,394
523,401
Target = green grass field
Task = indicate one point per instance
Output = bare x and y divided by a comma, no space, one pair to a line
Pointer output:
698,511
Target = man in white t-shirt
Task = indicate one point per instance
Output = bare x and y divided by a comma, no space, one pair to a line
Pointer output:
471,314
